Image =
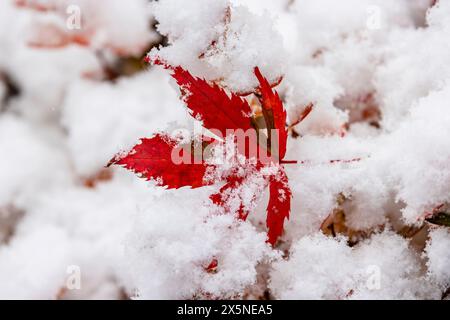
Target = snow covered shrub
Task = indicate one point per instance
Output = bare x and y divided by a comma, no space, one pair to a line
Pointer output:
346,197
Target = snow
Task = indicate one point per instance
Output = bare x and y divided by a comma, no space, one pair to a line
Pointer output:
375,147
438,256
27,154
235,42
325,268
91,145
176,259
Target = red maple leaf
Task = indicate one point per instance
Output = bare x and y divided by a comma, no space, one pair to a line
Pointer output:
152,159
222,114
274,113
279,205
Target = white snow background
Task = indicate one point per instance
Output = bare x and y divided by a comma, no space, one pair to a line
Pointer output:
377,71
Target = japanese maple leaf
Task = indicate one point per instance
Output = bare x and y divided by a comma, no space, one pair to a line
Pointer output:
152,160
221,114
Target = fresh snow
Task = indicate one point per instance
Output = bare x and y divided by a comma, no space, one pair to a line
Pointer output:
377,73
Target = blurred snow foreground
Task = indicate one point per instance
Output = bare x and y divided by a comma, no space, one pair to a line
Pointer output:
73,93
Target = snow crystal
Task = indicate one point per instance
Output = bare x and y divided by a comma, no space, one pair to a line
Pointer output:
373,155
235,41
438,256
176,255
326,268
